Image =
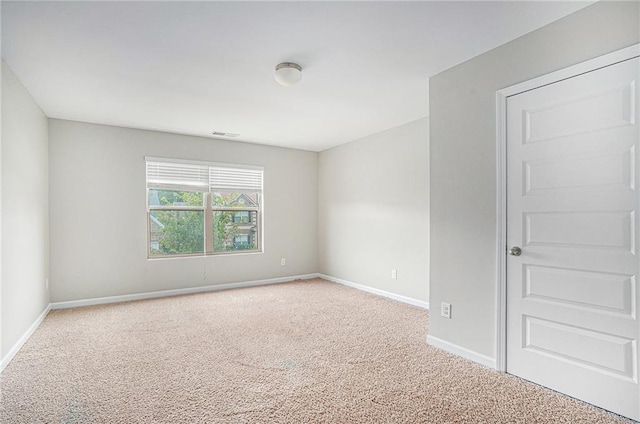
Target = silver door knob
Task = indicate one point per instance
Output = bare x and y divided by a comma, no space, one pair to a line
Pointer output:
515,251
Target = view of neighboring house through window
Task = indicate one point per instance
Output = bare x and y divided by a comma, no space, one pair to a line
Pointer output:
196,208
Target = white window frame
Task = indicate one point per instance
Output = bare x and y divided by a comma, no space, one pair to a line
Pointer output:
214,184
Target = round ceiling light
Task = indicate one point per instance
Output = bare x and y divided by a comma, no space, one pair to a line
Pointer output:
288,73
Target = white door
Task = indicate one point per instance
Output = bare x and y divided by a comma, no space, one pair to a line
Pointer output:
572,208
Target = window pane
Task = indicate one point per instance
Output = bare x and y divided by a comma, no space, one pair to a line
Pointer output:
175,198
241,217
235,230
176,232
221,199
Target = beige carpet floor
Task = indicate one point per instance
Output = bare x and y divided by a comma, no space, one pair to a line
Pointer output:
302,352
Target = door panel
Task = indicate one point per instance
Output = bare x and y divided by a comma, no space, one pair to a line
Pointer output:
605,169
600,291
604,230
572,178
598,110
580,346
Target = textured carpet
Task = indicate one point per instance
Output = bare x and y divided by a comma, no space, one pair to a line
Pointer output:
302,352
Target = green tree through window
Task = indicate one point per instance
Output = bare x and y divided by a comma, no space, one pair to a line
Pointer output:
176,231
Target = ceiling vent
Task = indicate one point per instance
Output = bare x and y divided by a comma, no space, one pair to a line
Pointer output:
224,134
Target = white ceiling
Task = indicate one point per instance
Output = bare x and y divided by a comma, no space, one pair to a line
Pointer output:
196,67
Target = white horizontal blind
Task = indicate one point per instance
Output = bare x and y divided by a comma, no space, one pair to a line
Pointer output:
197,176
235,179
177,176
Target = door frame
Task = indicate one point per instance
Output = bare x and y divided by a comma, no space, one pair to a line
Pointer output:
501,177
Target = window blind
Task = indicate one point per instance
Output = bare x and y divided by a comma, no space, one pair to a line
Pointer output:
235,180
196,176
177,176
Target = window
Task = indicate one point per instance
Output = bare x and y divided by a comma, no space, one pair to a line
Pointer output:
240,217
196,208
241,240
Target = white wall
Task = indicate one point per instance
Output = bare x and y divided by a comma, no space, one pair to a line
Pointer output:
374,210
25,211
98,212
463,159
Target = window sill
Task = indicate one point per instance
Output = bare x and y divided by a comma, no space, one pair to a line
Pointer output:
208,255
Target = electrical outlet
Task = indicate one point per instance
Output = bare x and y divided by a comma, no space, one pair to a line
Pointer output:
283,261
46,283
394,274
445,310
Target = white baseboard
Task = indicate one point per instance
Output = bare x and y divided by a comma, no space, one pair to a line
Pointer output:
462,351
176,292
22,340
398,297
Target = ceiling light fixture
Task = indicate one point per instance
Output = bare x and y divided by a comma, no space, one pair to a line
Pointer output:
288,73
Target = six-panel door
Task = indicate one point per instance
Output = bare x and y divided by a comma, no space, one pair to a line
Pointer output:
572,207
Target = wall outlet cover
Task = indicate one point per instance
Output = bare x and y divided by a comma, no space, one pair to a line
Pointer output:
445,310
